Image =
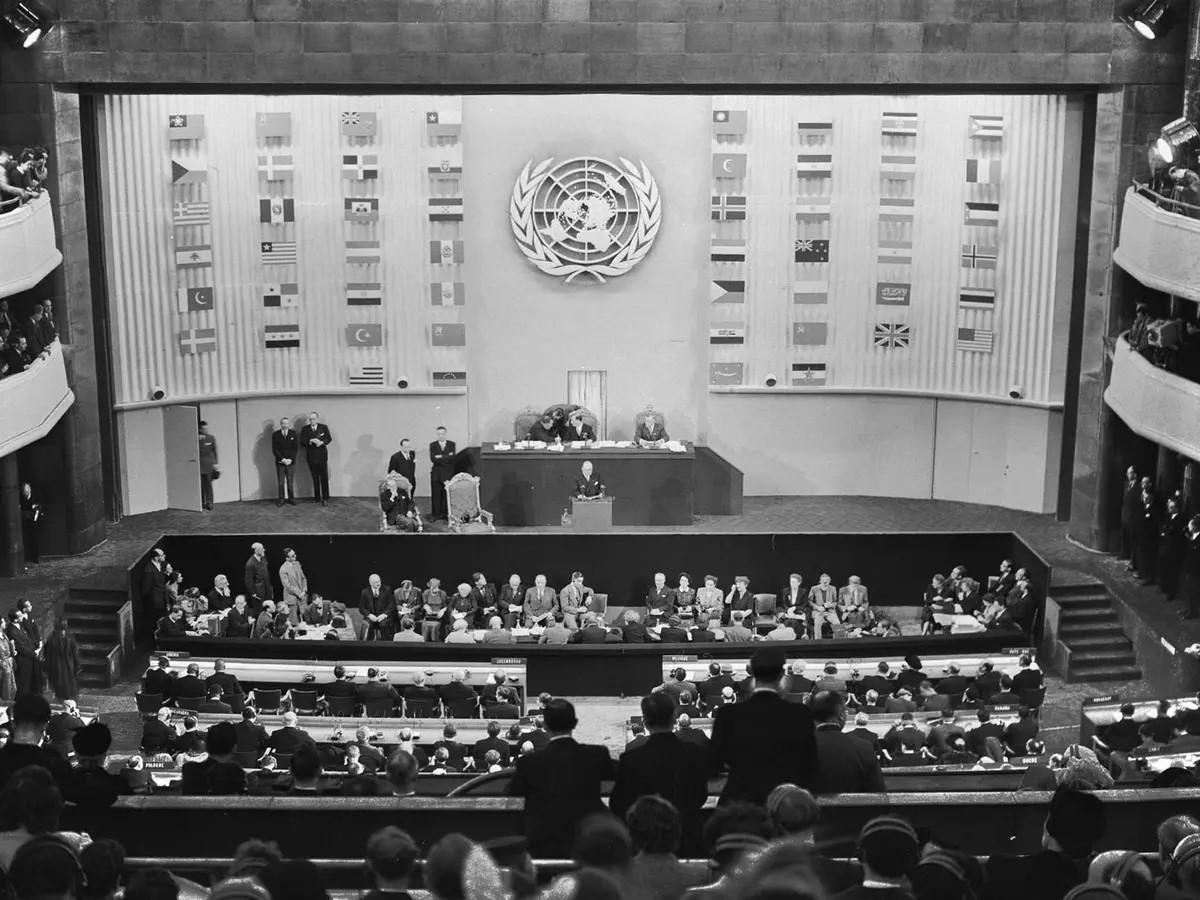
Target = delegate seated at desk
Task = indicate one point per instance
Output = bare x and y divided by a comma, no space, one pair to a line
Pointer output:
545,430
588,485
651,432
578,430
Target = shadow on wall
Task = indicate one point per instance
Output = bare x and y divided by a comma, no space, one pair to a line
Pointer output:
366,465
264,460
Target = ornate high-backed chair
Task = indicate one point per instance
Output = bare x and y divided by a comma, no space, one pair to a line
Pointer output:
650,410
403,483
464,513
524,421
567,409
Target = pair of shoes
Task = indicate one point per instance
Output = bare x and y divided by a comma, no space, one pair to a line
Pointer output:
279,503
291,502
324,502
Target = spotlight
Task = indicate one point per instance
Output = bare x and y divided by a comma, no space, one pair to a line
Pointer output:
402,382
1176,140
1149,19
29,19
1016,392
157,393
770,380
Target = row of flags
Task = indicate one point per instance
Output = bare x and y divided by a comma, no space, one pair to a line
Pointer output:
191,219
728,257
809,328
981,234
447,253
884,335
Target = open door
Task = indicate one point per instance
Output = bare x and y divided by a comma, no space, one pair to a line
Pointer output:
180,439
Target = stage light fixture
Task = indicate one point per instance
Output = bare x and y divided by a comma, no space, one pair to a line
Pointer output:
29,20
1016,391
402,382
1176,140
770,380
157,392
1149,19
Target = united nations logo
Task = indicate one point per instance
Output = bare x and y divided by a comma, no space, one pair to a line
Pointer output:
585,216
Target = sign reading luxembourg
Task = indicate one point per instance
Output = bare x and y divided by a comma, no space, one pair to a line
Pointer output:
585,216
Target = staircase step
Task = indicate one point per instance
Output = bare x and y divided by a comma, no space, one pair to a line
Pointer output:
108,595
1116,657
108,601
96,632
1069,633
1059,591
1115,641
1100,673
1074,604
1087,616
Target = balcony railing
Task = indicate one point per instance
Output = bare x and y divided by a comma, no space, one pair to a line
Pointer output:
1154,403
27,246
33,401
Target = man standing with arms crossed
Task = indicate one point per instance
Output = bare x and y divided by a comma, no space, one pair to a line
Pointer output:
441,456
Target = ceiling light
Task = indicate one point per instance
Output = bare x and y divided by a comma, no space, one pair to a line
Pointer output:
29,19
1176,140
1150,19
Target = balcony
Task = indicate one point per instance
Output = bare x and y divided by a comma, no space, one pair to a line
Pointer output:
27,246
1159,406
32,402
1159,246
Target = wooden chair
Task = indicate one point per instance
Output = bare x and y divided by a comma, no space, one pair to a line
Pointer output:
467,708
379,709
189,703
237,702
403,483
524,421
764,609
342,707
421,709
303,702
266,700
465,514
149,704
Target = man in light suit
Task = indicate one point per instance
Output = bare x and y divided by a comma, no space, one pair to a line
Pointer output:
540,602
822,601
284,446
588,484
316,438
651,431
378,609
295,583
573,599
441,459
258,578
853,603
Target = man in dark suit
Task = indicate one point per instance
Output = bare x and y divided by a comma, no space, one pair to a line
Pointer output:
154,586
258,578
660,601
441,460
404,462
560,784
987,680
220,598
1131,501
862,732
1170,549
544,429
588,482
32,329
159,680
340,686
977,737
709,690
764,741
157,734
493,741
251,736
846,765
228,683
285,446
377,607
214,704
1145,551
1027,678
456,690
288,737
702,633
1190,580
664,765
316,438
953,684
456,750
190,686
1018,735
376,691
674,632
879,682
420,692
633,630
512,598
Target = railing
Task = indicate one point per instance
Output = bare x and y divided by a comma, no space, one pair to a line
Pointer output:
27,245
32,402
1154,403
1159,242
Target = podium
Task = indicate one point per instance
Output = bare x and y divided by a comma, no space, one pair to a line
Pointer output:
591,516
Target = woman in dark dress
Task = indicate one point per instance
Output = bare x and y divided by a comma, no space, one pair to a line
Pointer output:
62,661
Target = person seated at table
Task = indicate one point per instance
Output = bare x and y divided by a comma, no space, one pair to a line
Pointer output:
937,594
340,688
433,605
710,599
990,612
660,601
853,605
740,600
420,692
511,601
459,633
496,633
555,631
701,633
822,604
1007,695
318,613
967,595
736,631
264,625
592,632
396,504
172,625
238,623
632,629
193,603
408,631
685,597
440,763
407,599
378,610
673,632
573,600
281,625
213,703
783,631
220,598
576,429
540,603
544,429
870,703
484,593
900,702
375,689
882,627
463,607
588,484
340,629
651,432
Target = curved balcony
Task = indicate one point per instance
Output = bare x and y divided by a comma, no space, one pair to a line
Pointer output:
1159,243
27,246
32,402
1159,406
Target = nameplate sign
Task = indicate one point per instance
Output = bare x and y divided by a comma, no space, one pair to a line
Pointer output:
1102,700
1017,651
508,661
676,659
174,654
162,765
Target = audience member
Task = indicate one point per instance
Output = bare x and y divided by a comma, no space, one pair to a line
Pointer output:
888,850
733,833
844,764
391,860
656,832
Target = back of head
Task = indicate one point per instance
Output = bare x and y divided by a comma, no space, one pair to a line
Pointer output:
586,884
221,739
46,866
391,853
445,867
1124,870
296,879
889,846
30,710
559,715
792,809
31,798
603,842
402,769
305,764
658,710
102,861
1173,830
735,829
654,825
827,706
940,876
152,884
1076,821
766,665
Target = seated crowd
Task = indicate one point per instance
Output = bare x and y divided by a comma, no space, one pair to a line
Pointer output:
24,341
477,612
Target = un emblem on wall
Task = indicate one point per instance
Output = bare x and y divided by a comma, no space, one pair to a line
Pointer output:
585,216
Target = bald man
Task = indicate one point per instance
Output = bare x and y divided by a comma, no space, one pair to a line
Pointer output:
258,578
588,485
377,607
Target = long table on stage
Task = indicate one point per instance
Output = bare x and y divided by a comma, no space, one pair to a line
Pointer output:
532,487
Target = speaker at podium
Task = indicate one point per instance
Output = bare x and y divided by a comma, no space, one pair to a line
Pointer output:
591,516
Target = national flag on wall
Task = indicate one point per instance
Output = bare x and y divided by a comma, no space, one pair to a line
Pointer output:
895,253
977,340
361,166
811,132
810,292
185,128
276,166
360,375
445,159
728,251
445,252
359,124
899,123
727,292
362,253
449,379
978,213
815,209
809,333
987,127
983,171
728,207
361,209
726,373
277,253
364,334
892,335
809,374
976,257
814,164
893,293
729,121
195,299
448,334
812,250
281,295
198,340
193,213
896,164
282,336
729,165
976,298
890,217
276,210
364,293
728,333
181,174
445,209
443,123
273,125
195,257
447,293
